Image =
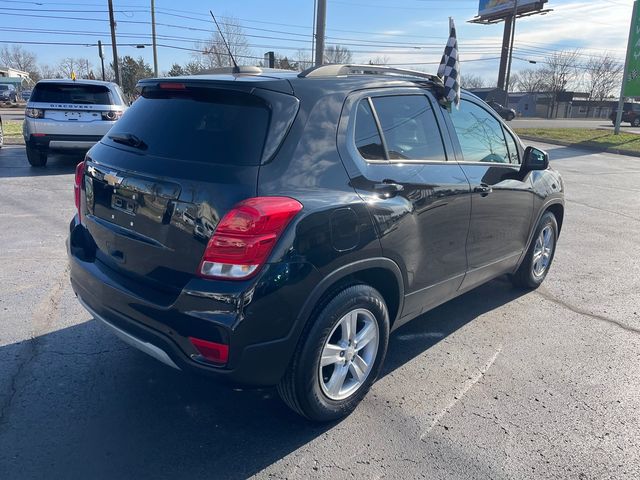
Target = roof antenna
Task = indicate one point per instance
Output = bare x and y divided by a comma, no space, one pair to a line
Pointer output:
236,69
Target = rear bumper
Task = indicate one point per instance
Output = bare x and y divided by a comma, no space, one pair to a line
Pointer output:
259,324
62,142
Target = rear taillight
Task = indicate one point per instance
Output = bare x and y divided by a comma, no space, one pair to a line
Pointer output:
34,113
77,187
212,351
245,237
112,115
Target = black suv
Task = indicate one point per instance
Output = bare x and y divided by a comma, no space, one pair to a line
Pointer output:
272,228
630,114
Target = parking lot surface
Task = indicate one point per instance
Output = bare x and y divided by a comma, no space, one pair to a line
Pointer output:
498,383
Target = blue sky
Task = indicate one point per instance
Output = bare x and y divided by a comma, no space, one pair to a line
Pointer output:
405,31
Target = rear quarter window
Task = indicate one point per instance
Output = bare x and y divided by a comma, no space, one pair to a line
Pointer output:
199,125
72,93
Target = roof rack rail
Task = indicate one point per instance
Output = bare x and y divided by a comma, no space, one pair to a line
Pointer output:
240,70
338,69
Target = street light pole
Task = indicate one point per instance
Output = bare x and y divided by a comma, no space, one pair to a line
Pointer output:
153,36
101,55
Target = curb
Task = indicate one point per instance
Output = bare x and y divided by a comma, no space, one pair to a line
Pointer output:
584,146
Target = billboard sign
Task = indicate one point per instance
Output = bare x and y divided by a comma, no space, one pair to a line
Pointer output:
498,8
632,71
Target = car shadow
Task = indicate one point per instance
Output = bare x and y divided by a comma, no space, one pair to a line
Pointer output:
13,163
80,404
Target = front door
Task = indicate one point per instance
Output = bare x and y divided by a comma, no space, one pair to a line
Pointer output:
419,200
502,198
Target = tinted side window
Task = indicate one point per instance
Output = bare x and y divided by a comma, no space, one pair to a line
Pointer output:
367,137
409,127
480,134
514,156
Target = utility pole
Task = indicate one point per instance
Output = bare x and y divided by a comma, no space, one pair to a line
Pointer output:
101,55
321,24
112,23
504,57
153,35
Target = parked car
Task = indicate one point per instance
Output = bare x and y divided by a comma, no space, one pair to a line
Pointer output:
25,95
630,114
8,93
69,115
506,113
342,202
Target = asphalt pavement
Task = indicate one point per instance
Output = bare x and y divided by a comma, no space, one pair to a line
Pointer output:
498,383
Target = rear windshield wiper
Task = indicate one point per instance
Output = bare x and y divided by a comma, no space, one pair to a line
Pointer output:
128,139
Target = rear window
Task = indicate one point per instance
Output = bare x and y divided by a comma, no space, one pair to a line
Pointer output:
71,93
199,125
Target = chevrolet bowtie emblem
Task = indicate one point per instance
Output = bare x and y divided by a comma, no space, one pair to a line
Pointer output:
112,179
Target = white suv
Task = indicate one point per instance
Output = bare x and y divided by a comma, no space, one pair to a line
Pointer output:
69,115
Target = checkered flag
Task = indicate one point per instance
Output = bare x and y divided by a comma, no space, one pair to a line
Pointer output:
449,70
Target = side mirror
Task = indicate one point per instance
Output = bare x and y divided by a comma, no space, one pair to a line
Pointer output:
535,159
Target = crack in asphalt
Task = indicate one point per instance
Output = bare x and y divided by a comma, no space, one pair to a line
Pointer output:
613,212
40,320
466,386
548,296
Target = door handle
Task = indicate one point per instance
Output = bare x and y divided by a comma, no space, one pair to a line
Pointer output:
388,188
483,189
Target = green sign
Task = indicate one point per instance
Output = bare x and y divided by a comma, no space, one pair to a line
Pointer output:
632,72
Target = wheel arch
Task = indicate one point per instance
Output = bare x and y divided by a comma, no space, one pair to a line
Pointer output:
381,273
558,211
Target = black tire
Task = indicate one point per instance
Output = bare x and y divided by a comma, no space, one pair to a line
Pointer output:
636,122
300,388
510,117
526,276
37,158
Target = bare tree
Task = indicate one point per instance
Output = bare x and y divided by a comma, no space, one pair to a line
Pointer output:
560,71
304,59
337,54
470,81
47,71
80,66
529,80
214,53
15,56
602,75
379,60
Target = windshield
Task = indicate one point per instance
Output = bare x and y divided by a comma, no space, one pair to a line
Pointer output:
71,93
200,125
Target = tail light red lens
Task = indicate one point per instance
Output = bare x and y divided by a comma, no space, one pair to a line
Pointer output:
214,352
77,187
245,237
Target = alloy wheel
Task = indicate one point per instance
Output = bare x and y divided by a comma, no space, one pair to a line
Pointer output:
349,354
543,250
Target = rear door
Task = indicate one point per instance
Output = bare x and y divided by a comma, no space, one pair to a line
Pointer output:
162,178
416,192
502,198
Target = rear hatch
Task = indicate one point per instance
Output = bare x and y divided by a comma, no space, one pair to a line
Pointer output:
159,182
75,102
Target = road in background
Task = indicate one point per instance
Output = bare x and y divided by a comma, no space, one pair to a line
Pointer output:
498,383
16,114
603,123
